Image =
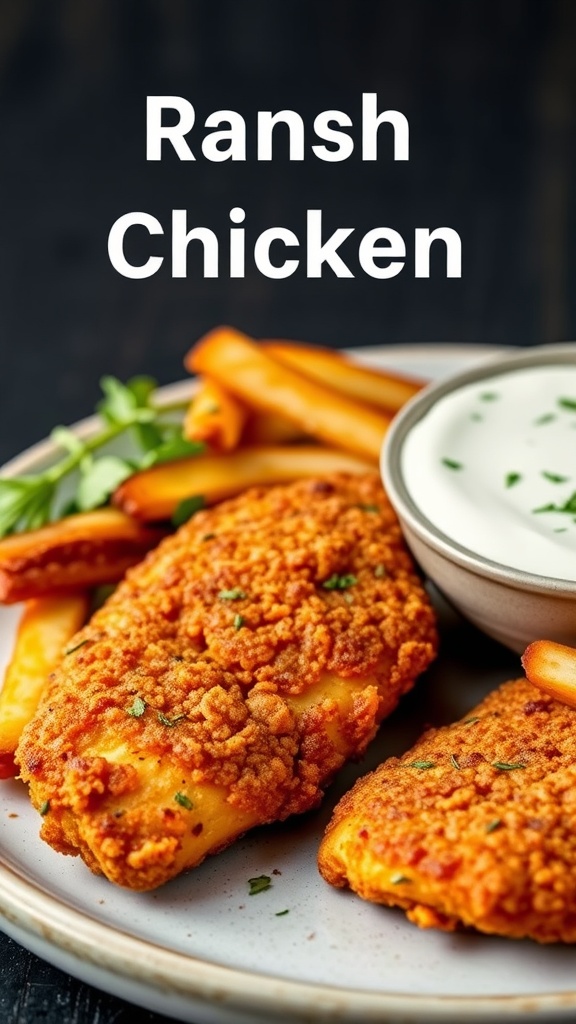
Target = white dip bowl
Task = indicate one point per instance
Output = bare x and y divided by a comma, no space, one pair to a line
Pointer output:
481,470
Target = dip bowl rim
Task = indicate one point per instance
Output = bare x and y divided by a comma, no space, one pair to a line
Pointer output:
411,514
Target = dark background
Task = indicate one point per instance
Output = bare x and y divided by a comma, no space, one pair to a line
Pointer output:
489,89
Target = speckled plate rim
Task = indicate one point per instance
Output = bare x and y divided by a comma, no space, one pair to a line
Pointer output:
194,990
173,983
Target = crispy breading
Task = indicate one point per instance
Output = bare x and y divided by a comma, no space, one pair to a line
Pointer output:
475,825
228,678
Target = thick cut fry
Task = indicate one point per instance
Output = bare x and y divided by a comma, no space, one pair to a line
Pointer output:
264,383
271,428
154,494
383,389
215,417
80,551
46,626
552,668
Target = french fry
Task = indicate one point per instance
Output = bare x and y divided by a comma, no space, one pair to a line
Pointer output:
80,551
215,417
271,428
46,626
552,668
154,494
244,367
383,389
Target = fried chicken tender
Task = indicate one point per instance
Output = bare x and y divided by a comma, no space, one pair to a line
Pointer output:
228,678
475,825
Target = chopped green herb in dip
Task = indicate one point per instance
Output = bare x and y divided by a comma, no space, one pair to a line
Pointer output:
501,487
555,478
569,506
513,478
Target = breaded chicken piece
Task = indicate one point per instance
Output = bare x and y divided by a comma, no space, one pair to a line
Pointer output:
228,678
475,825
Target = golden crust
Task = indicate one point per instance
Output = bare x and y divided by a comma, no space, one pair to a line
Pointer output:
225,671
475,825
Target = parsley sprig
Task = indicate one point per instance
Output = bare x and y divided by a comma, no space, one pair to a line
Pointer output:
28,502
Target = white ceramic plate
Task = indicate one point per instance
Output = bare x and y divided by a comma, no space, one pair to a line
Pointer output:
203,951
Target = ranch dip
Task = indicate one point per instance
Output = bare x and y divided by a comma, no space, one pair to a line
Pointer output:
493,466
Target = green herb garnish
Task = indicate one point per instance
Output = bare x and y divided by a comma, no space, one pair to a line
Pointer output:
369,508
454,762
452,464
44,808
236,594
183,800
29,501
164,720
422,765
512,478
337,582
259,884
567,403
281,913
380,571
493,825
187,508
504,766
547,417
489,396
70,650
137,708
569,506
238,621
555,478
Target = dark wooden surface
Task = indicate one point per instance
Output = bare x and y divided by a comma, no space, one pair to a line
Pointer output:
34,992
489,89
